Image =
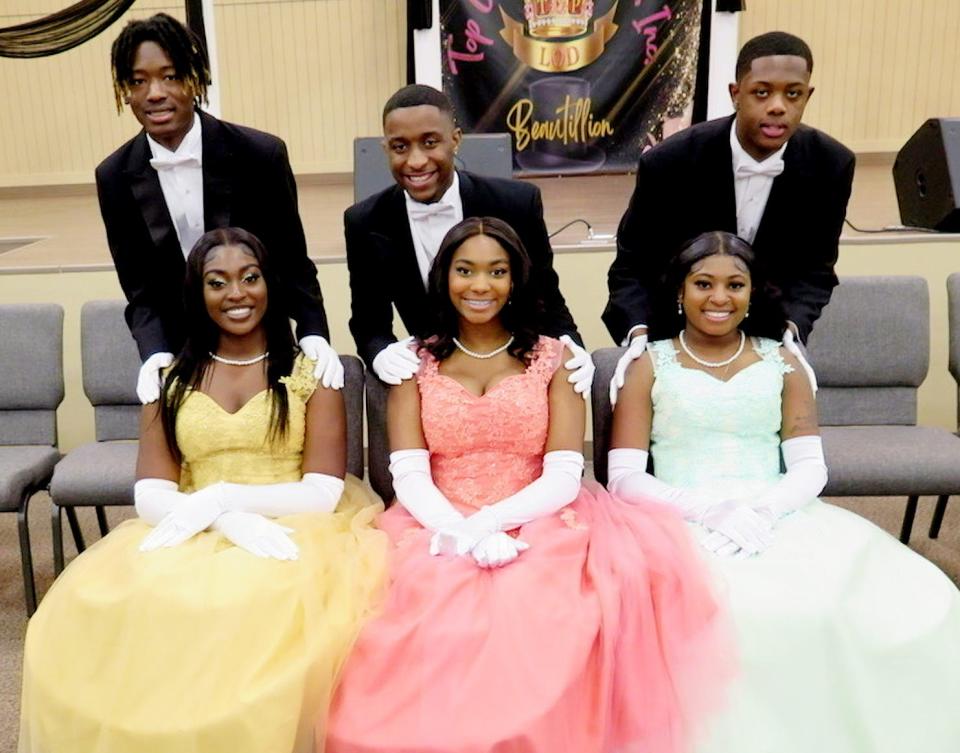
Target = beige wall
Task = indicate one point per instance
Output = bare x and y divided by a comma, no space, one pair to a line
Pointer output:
881,67
314,73
586,300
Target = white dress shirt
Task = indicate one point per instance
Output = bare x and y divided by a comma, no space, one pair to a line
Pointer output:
429,223
181,180
752,182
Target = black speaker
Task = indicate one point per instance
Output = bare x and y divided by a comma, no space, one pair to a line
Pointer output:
926,175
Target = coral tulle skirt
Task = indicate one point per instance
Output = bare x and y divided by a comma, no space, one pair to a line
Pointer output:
604,636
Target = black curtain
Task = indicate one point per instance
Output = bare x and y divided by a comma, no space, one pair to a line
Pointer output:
62,30
195,21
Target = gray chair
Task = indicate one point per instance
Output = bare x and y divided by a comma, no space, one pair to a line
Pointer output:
31,389
605,360
102,472
953,317
378,445
871,352
353,388
489,154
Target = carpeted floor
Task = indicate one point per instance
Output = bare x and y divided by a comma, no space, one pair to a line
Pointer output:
886,512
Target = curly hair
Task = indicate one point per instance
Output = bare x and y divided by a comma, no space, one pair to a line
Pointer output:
203,336
523,310
185,49
767,315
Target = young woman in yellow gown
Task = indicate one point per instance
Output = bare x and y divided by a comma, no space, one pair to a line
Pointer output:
218,620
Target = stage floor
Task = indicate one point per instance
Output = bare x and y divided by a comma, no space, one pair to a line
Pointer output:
59,228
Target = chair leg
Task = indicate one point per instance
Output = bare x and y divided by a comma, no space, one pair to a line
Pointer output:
56,523
75,529
908,517
26,558
938,512
102,520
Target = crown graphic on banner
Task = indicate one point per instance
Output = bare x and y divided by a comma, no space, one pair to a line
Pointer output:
557,18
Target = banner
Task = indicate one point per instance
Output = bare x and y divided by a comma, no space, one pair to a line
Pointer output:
582,86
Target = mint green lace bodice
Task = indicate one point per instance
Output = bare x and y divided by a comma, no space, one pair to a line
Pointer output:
716,435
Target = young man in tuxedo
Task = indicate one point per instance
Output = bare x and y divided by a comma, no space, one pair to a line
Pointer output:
778,184
393,236
185,173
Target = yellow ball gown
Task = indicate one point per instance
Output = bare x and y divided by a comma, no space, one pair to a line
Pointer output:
204,647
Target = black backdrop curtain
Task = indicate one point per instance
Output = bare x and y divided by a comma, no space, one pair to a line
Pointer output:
62,30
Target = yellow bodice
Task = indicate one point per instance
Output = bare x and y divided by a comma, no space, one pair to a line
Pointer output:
221,446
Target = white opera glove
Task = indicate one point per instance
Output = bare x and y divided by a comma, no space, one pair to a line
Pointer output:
581,365
634,350
497,550
315,492
397,362
415,490
327,367
628,479
188,513
740,523
557,487
148,380
790,343
257,534
805,478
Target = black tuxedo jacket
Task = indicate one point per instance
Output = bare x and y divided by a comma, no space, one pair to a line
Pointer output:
247,183
383,264
685,187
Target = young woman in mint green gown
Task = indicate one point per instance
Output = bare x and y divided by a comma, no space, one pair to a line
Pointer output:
849,642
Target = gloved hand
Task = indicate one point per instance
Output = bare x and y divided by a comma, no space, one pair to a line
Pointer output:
741,524
148,380
328,368
722,546
790,343
459,539
194,513
581,365
258,535
497,550
396,362
637,345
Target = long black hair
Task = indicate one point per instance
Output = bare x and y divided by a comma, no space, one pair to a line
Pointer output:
767,317
523,310
203,336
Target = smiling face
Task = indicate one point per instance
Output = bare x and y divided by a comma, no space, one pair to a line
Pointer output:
420,143
479,280
234,290
158,97
769,100
716,295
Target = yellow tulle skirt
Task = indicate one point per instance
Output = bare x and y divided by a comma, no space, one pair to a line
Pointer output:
203,647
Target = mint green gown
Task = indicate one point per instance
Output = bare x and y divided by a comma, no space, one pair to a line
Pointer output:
849,641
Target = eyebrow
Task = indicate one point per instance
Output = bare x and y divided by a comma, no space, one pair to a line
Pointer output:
223,272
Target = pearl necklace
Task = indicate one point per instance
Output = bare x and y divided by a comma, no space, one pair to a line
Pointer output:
237,362
491,354
714,364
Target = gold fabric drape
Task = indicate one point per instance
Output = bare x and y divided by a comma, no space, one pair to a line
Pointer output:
62,30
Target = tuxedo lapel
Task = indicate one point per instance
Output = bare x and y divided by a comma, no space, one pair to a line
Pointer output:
721,193
398,249
787,188
145,186
218,168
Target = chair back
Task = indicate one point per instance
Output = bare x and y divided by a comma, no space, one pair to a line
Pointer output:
953,318
111,364
605,360
871,351
489,154
353,404
378,446
31,373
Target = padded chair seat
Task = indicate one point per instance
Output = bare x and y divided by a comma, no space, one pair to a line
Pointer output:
890,460
99,473
23,467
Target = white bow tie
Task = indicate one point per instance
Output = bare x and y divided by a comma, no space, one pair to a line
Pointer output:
420,211
168,163
770,168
